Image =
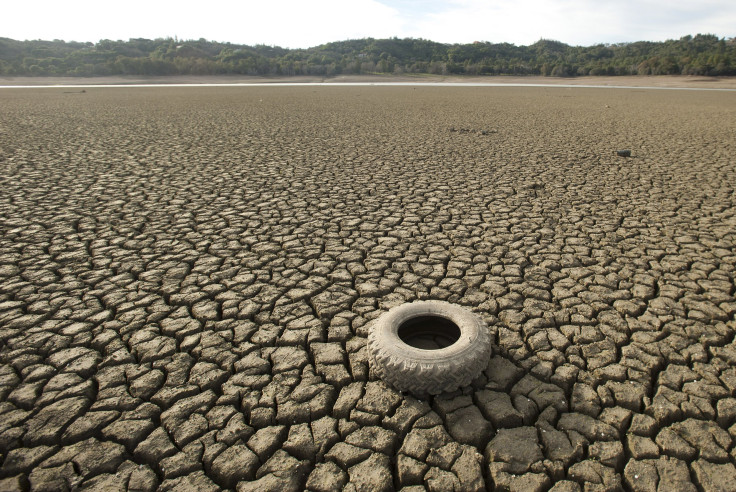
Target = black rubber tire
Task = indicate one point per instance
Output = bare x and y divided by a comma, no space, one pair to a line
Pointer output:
429,372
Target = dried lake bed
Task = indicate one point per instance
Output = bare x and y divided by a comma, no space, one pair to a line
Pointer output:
188,276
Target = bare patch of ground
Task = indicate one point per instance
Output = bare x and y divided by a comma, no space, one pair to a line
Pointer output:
188,277
686,81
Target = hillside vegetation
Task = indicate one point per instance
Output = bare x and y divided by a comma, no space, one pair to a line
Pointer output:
703,54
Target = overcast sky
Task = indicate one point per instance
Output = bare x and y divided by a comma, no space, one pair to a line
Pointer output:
305,23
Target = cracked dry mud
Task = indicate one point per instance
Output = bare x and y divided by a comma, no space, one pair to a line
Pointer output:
188,277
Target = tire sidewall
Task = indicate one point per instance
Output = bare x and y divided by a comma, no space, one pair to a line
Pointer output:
385,336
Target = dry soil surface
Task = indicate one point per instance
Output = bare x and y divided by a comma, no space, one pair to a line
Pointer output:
662,81
188,277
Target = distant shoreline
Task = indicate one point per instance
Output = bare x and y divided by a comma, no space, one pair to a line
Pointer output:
664,81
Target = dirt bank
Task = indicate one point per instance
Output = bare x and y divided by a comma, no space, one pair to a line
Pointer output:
695,82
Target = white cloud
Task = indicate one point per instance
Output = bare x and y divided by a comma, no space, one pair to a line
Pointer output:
521,22
288,23
302,24
582,22
294,23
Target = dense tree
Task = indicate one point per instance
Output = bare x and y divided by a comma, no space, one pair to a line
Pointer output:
703,54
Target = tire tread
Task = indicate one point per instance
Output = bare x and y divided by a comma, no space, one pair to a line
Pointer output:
429,378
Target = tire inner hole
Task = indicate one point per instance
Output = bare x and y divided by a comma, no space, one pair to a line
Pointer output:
429,332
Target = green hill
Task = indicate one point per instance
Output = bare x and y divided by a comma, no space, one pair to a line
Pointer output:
703,54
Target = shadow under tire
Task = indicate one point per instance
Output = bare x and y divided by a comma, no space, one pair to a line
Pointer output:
429,347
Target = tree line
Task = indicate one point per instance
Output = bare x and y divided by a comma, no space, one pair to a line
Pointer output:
703,54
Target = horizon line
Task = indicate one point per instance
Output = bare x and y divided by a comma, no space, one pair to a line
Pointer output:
177,39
